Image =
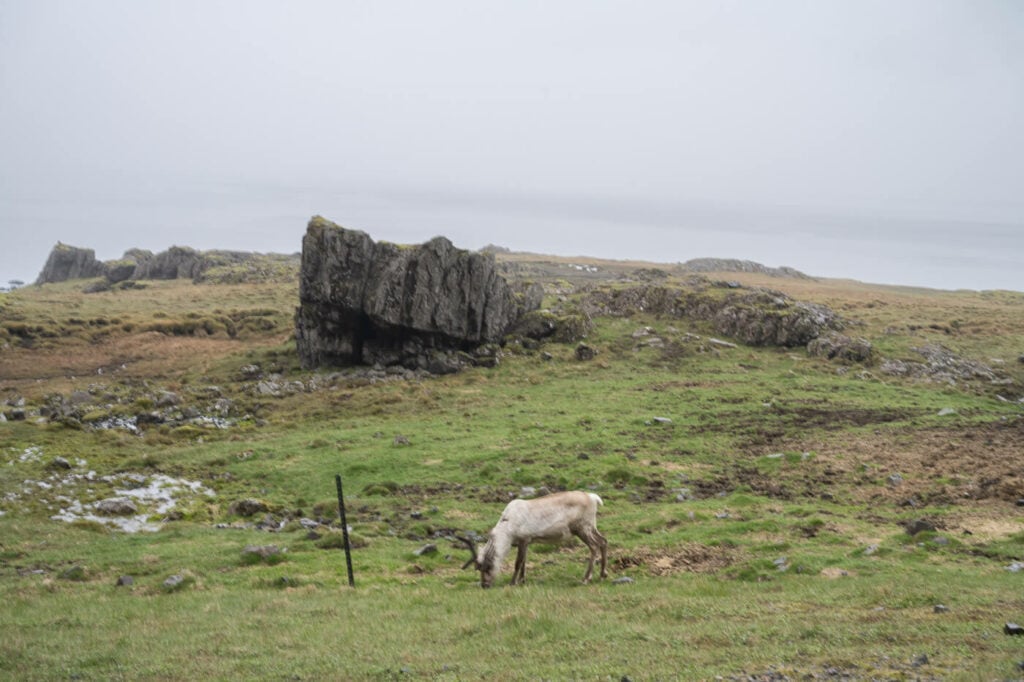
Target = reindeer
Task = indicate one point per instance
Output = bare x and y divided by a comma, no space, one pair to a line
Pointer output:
549,519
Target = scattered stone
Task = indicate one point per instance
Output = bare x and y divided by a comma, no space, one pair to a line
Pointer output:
256,553
624,580
833,345
1015,567
919,660
401,440
661,420
721,344
60,463
248,507
268,388
1013,629
945,412
426,549
250,371
76,573
117,506
585,352
919,526
941,608
174,582
125,581
895,480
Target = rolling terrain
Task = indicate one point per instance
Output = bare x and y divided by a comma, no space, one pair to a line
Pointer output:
167,503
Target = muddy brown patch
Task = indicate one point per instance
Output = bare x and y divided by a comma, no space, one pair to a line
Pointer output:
691,558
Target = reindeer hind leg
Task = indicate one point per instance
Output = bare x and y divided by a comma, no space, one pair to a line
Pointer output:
592,545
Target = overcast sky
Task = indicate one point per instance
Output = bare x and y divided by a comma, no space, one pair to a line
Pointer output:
882,141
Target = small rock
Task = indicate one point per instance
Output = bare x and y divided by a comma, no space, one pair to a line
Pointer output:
1020,501
919,660
940,608
76,573
946,412
1015,567
895,479
174,582
426,549
661,420
248,507
117,506
721,344
624,580
919,526
1013,629
585,352
60,463
400,440
527,491
125,581
254,553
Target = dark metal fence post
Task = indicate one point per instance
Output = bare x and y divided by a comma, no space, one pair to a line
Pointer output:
344,532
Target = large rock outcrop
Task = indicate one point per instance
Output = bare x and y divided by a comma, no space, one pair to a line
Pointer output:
70,262
380,303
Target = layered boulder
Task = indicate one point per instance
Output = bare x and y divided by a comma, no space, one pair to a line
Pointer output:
70,262
424,307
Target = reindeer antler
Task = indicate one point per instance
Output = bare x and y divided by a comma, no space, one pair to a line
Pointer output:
472,551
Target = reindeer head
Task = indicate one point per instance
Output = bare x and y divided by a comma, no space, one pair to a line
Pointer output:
482,560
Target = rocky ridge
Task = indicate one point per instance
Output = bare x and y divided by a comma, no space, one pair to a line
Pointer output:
67,262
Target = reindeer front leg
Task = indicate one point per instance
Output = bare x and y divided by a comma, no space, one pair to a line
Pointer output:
519,574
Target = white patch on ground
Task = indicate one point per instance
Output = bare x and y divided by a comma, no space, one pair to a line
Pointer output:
155,495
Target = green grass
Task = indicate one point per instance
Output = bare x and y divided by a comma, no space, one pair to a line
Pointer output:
770,460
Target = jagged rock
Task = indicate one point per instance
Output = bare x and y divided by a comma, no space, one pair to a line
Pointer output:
379,303
125,581
119,270
174,263
767,318
70,262
759,318
585,352
832,345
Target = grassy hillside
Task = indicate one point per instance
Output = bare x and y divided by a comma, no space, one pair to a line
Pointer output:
758,499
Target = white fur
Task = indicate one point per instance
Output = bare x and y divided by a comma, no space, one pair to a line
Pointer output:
552,519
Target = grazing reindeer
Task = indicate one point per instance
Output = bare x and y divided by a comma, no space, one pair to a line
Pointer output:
550,519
